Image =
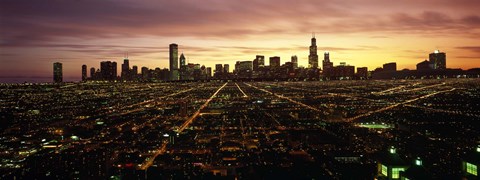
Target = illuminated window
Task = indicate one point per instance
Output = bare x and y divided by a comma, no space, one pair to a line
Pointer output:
472,169
396,172
384,170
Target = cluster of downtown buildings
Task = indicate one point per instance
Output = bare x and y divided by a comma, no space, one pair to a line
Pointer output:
180,70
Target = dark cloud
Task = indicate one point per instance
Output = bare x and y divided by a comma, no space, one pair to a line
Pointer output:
473,49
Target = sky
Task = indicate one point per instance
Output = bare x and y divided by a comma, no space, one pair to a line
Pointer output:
366,33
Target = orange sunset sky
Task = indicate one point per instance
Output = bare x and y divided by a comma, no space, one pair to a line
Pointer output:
34,33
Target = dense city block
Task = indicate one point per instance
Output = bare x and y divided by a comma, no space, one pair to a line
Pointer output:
386,129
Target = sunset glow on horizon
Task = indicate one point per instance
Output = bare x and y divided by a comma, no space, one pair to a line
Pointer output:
34,34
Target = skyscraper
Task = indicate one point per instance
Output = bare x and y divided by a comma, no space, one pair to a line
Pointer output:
362,72
108,70
182,61
125,69
390,66
173,57
313,57
92,73
134,70
209,72
57,72
274,62
84,72
258,62
114,70
438,60
261,60
295,62
226,68
327,65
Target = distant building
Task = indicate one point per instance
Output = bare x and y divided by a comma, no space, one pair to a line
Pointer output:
246,66
145,73
108,70
84,72
226,68
173,60
362,72
390,66
182,61
327,65
92,73
258,62
471,163
244,69
416,171
438,60
218,68
424,65
209,72
343,71
57,72
125,69
313,56
274,62
134,71
294,61
390,165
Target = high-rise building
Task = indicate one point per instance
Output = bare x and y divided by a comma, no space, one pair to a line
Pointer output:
183,68
244,69
295,62
423,66
274,62
327,65
108,70
390,66
438,60
114,70
182,61
145,73
92,73
246,66
209,72
362,72
173,57
84,72
218,68
226,68
125,69
313,57
218,71
258,62
343,71
134,71
57,72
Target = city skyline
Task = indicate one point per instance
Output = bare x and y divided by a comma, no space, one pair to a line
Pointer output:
217,32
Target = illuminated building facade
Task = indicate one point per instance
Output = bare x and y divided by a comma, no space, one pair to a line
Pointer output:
438,60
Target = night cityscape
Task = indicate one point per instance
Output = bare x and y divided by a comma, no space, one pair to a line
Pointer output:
98,99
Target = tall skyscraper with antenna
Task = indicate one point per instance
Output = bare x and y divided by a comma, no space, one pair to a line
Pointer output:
313,57
126,68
